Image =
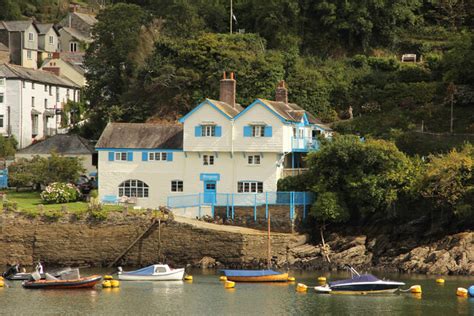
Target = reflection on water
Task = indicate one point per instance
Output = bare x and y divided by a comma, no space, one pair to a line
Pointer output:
206,296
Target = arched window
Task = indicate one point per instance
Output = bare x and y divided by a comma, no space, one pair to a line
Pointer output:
133,188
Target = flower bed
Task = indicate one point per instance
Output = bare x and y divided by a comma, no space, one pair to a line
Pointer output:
58,192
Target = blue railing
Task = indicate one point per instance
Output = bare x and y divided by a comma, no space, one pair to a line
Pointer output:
304,143
232,200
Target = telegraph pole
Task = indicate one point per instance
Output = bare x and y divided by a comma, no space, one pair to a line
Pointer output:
451,92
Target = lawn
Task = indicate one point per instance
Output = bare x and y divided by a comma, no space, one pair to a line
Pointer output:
29,201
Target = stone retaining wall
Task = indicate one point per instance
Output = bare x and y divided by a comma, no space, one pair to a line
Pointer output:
85,243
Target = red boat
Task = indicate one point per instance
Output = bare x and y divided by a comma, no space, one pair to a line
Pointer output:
81,283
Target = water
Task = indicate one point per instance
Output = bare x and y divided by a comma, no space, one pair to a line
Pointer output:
206,296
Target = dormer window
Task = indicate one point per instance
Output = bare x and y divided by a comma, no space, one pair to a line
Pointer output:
208,130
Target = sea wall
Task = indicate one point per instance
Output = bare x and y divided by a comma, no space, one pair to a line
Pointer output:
97,243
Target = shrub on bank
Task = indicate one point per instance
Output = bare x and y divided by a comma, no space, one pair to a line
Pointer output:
58,192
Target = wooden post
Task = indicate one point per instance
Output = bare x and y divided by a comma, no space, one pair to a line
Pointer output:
269,254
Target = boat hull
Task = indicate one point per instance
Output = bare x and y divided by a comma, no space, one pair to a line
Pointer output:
175,275
82,283
283,277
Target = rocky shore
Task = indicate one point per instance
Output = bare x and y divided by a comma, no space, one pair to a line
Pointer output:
452,254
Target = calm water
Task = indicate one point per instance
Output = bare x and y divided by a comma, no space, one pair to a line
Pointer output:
207,296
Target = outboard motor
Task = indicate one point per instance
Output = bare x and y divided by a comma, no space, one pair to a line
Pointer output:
12,270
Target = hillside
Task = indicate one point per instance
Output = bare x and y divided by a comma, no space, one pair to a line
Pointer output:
168,55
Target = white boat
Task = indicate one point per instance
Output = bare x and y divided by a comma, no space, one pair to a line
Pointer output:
155,272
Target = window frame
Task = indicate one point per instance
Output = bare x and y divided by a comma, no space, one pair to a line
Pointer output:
135,188
177,186
2,82
208,160
208,130
254,160
32,102
119,156
73,46
258,130
31,37
161,155
29,55
2,97
51,39
2,117
247,186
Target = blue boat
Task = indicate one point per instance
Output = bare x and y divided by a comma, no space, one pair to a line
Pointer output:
360,284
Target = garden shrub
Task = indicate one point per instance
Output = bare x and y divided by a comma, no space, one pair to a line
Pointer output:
53,215
58,192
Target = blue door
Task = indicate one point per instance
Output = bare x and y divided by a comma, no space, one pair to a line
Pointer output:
209,191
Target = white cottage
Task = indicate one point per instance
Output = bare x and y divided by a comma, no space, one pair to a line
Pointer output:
218,147
31,102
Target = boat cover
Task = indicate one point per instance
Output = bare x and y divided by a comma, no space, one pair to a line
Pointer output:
357,279
249,273
143,271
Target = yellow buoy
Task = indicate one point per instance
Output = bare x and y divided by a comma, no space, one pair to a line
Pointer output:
291,279
440,281
300,287
114,283
108,277
223,278
322,279
229,284
188,277
2,283
106,284
462,292
415,289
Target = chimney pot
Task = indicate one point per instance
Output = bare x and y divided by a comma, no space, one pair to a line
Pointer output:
227,90
224,75
281,93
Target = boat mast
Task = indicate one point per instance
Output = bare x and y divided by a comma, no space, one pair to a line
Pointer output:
269,254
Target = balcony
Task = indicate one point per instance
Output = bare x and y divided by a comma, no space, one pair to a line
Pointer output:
304,144
288,172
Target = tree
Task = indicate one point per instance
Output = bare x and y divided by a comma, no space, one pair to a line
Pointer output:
448,182
356,179
109,60
10,10
44,170
459,60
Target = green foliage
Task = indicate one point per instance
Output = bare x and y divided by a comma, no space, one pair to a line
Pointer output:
43,171
448,179
296,183
58,192
459,60
329,208
362,177
53,215
8,146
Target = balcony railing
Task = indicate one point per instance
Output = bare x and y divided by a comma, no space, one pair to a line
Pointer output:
288,172
304,143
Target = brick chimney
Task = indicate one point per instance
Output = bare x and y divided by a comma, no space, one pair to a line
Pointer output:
54,70
281,93
227,90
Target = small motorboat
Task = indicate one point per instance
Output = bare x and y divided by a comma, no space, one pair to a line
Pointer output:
360,284
69,280
155,272
255,276
13,273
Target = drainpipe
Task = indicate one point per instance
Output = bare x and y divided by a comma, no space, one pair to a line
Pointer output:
21,113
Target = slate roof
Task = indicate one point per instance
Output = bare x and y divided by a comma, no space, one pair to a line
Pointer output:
77,34
62,144
227,108
141,135
292,112
15,71
17,26
87,18
43,28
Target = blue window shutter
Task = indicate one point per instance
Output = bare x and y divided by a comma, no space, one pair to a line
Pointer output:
268,131
144,156
247,131
130,156
111,156
198,131
218,131
169,156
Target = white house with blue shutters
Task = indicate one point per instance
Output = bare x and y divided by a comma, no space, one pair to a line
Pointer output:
218,147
